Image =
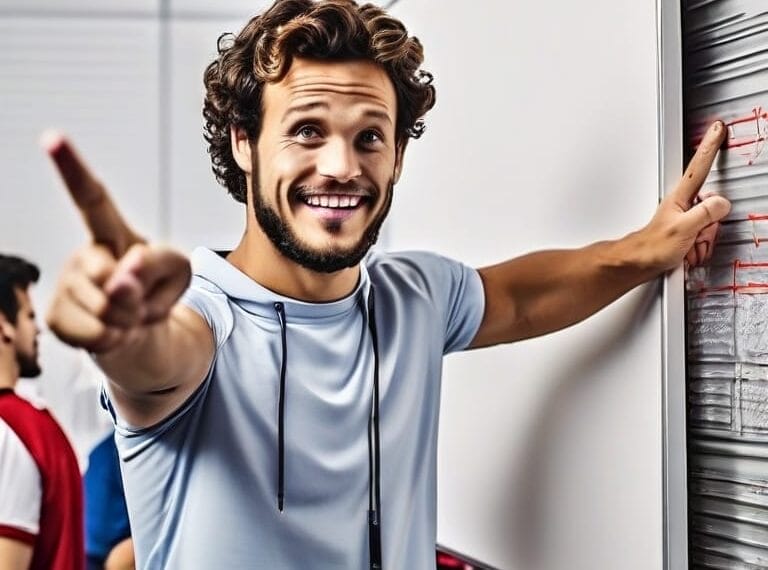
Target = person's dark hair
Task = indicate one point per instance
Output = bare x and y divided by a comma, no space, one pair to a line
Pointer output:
264,50
15,273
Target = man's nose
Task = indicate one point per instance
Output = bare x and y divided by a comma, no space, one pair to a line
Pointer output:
338,160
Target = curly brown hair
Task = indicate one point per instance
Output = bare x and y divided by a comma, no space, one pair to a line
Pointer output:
264,50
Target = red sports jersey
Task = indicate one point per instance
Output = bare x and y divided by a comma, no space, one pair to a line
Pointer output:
59,543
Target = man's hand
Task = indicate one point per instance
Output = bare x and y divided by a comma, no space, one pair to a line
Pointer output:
113,288
685,224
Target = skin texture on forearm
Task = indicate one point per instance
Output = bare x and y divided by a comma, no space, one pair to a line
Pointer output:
156,370
546,291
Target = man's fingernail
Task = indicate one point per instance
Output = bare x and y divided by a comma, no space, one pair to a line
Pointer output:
51,140
716,127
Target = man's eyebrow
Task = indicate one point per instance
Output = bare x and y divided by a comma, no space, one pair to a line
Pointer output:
303,108
383,115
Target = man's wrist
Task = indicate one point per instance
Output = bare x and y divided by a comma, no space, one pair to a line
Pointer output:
638,257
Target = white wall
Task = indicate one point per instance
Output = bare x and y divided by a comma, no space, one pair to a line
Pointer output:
96,76
544,135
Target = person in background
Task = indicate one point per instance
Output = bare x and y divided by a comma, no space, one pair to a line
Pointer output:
282,411
108,544
41,513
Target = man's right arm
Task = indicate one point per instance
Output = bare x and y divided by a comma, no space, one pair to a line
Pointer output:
118,298
14,554
153,373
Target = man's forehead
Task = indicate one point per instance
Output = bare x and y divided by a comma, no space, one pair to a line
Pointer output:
360,79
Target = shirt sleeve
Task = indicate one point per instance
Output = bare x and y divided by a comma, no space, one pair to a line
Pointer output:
20,488
454,289
212,304
466,306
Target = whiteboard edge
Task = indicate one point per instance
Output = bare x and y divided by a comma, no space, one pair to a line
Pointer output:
673,404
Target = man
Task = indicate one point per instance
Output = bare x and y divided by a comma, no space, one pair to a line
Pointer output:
282,412
41,520
108,543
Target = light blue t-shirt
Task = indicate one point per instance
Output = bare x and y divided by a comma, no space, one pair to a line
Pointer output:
201,485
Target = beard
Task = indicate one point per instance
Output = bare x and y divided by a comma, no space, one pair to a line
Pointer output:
29,367
327,260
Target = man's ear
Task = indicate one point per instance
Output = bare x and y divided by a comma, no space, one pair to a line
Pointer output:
399,152
7,331
241,148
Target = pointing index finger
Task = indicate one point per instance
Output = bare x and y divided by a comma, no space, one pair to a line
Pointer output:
699,166
105,223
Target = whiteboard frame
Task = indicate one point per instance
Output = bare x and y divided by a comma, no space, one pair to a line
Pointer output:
674,444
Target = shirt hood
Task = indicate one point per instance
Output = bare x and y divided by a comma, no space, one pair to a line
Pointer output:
257,299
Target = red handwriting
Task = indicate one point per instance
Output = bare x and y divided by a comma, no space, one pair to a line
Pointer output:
754,138
748,132
754,218
736,285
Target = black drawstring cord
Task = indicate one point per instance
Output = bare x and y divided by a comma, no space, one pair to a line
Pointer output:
374,445
374,451
280,309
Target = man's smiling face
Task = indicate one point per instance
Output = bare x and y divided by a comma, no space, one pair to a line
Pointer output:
325,161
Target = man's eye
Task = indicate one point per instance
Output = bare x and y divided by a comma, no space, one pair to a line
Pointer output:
370,137
307,132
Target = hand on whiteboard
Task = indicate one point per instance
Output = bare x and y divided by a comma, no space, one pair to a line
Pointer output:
686,223
112,288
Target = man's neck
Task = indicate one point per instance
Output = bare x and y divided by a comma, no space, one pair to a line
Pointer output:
9,369
258,258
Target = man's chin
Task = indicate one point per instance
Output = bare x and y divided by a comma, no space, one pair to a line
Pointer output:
328,261
29,369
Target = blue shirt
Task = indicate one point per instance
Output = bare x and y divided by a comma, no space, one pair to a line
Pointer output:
202,484
106,518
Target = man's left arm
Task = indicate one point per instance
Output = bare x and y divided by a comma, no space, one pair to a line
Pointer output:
546,291
121,557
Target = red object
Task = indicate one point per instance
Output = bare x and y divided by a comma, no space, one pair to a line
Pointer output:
446,561
59,544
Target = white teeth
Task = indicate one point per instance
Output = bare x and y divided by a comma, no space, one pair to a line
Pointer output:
334,201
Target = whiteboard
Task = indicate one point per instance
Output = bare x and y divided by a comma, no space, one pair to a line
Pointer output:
546,134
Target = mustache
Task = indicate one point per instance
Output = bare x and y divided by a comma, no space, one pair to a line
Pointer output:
305,191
